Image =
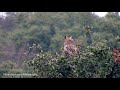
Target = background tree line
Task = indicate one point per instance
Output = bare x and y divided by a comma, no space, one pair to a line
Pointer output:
20,31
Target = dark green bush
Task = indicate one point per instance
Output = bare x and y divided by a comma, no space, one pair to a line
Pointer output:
95,61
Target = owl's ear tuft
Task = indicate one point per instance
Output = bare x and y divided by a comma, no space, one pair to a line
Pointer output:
70,37
66,37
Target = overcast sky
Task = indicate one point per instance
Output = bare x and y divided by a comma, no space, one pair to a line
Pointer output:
101,14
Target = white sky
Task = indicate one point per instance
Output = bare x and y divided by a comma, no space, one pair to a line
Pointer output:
101,14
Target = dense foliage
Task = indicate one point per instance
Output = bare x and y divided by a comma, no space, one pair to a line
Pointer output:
35,37
95,61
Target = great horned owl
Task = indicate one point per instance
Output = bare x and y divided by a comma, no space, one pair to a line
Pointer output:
70,48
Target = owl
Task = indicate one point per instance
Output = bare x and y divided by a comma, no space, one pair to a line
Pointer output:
70,48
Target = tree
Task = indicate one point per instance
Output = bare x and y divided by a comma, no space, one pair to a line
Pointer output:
9,22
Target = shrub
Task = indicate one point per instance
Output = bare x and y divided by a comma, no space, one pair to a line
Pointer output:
95,61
